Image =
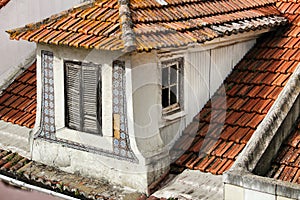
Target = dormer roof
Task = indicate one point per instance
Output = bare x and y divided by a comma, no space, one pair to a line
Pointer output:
146,25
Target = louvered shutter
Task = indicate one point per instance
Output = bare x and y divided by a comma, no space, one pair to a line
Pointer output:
73,87
91,97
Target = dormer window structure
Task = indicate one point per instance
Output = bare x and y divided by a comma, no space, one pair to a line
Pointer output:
138,102
83,96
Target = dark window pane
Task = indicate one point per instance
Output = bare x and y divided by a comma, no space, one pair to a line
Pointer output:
164,77
173,74
165,98
173,95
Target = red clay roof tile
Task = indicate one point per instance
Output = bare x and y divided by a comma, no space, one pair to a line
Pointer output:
216,165
261,106
287,161
226,166
228,132
3,3
273,65
17,102
274,93
204,163
247,132
234,151
179,23
295,139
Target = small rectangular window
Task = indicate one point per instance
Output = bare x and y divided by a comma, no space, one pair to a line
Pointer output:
172,85
83,97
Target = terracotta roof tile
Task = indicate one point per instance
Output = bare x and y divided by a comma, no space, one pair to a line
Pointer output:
18,100
3,3
179,23
23,169
262,107
251,90
287,161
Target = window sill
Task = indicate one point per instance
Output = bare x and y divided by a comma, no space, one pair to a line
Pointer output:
168,120
88,139
174,116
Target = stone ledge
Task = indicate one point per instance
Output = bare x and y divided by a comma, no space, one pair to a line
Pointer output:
247,180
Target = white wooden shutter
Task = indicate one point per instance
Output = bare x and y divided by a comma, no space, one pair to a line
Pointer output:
90,98
73,87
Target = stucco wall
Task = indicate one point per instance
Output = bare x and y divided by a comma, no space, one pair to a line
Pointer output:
16,54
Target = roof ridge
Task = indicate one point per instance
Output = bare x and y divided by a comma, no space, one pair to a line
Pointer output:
128,35
36,25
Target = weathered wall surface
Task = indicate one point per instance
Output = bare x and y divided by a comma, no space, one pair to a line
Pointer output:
17,54
233,192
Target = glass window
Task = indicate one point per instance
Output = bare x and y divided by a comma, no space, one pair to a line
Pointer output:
172,87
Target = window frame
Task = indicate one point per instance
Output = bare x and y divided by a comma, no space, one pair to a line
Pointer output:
178,106
98,111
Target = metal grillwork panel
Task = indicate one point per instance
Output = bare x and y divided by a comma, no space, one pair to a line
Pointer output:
48,112
121,140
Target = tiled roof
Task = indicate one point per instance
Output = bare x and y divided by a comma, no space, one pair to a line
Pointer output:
177,23
212,142
15,166
95,26
3,3
286,165
18,100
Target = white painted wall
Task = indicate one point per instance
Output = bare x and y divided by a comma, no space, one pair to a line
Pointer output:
206,71
146,102
223,59
17,13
